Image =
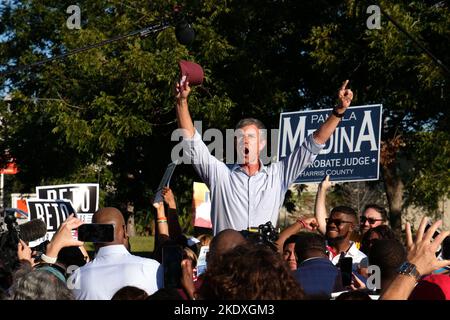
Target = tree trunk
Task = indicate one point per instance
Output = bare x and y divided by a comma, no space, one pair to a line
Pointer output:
394,192
130,221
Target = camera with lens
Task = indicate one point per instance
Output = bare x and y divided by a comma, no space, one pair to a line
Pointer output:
9,239
11,232
265,234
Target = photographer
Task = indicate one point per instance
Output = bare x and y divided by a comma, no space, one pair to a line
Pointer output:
20,261
13,244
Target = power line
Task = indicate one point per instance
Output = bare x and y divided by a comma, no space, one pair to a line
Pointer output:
144,32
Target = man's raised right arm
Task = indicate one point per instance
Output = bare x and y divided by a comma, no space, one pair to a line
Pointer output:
183,116
207,166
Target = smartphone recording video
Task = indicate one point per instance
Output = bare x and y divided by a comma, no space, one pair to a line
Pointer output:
345,265
96,232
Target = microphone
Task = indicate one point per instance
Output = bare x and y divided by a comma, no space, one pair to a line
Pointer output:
32,230
183,30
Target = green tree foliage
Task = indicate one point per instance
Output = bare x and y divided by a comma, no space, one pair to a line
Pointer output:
107,114
429,176
386,67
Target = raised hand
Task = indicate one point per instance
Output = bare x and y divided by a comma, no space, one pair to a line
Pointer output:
158,205
325,184
182,89
345,97
24,252
187,278
63,237
422,251
309,223
168,196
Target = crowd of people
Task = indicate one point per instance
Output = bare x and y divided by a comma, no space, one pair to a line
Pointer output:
340,255
302,263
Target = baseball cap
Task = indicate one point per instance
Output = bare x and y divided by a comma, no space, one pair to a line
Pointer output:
193,72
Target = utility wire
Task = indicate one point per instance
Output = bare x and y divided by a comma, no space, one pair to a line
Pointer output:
144,32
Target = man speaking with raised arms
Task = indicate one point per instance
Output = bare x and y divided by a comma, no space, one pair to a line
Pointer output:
249,193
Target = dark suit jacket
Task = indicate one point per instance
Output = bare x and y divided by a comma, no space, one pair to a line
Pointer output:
319,277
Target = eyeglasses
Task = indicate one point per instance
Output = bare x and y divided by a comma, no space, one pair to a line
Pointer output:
363,219
336,222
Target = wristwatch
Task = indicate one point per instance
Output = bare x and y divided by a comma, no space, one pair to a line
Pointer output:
409,269
337,114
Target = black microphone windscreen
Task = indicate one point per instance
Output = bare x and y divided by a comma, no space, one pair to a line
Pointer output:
184,32
32,230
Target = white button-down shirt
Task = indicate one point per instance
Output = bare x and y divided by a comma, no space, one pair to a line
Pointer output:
360,260
239,201
112,269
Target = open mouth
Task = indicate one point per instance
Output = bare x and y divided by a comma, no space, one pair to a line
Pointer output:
246,151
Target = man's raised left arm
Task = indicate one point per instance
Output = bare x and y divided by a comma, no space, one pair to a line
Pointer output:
301,157
325,131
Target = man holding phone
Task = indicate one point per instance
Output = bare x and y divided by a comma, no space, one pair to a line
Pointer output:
339,228
114,267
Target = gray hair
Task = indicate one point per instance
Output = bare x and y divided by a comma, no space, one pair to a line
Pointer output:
40,285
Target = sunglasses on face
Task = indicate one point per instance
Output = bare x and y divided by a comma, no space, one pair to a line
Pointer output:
370,220
336,222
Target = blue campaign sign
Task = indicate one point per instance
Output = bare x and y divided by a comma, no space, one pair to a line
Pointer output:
351,154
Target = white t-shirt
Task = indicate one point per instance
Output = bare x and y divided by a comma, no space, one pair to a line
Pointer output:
360,260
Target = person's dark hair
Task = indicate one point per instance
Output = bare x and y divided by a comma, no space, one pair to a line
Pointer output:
345,210
383,231
291,239
39,285
250,272
381,210
223,242
130,293
71,256
308,245
388,255
165,294
9,261
354,295
252,121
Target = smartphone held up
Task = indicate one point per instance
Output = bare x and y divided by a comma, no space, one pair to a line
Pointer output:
345,265
96,232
